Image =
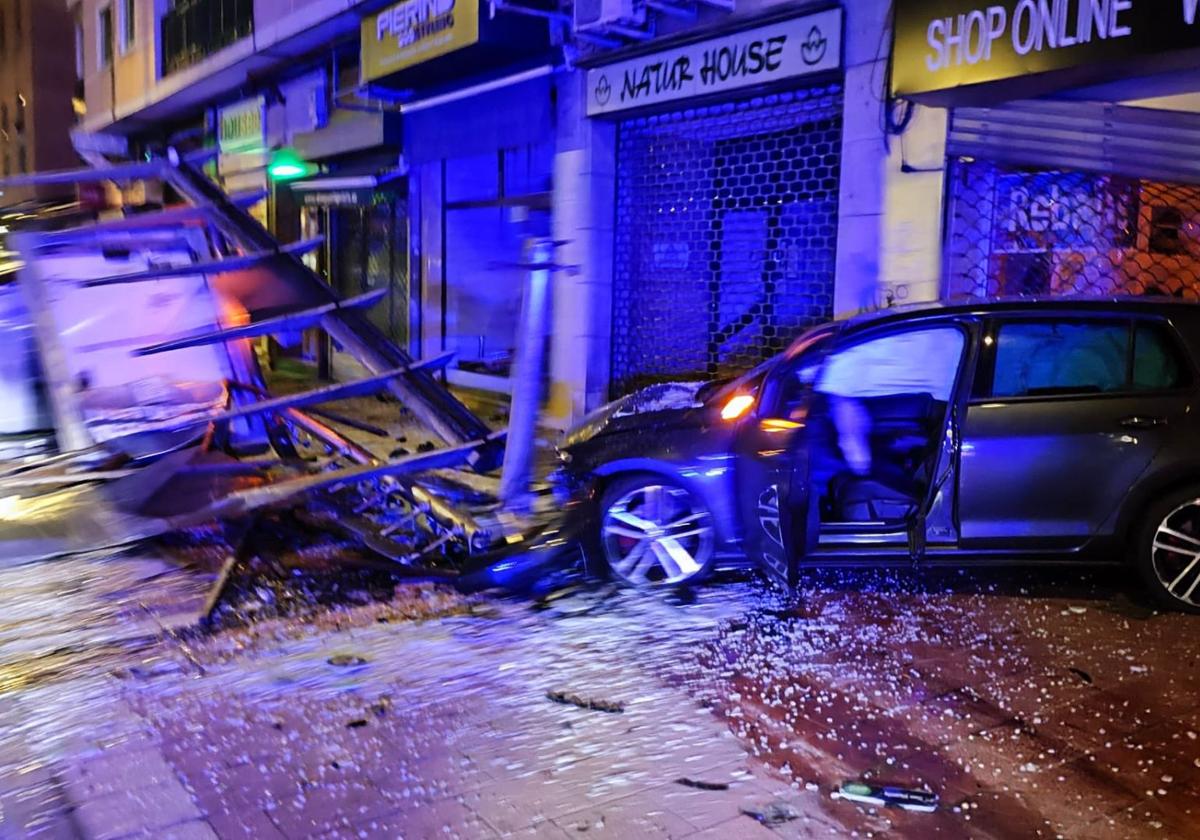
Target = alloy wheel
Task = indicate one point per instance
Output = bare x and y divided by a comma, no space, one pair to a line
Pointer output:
656,534
1175,553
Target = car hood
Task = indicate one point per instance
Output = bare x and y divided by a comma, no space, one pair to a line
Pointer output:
668,397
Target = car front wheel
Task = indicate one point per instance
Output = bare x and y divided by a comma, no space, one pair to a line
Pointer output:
654,532
1169,550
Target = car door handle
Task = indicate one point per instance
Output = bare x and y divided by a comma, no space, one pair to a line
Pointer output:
1137,422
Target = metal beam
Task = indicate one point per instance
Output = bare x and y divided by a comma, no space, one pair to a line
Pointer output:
245,501
299,320
430,401
449,517
333,416
210,267
89,175
358,388
169,217
20,482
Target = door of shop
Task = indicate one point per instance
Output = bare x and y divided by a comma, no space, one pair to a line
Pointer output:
370,252
726,234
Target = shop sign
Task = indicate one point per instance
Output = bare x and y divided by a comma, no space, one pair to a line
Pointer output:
945,44
774,52
340,198
414,31
240,127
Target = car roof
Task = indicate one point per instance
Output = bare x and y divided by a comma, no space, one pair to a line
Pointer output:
1144,304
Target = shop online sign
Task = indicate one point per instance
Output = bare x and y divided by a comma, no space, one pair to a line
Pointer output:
943,44
766,54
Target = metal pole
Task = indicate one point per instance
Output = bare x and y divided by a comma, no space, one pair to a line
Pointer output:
528,372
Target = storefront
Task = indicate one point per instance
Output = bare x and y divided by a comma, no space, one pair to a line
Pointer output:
1083,190
343,187
354,200
363,218
480,154
728,173
481,194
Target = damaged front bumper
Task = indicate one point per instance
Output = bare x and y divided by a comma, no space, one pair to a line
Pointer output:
544,556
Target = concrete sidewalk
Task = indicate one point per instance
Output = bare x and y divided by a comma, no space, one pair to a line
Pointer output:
431,729
1053,712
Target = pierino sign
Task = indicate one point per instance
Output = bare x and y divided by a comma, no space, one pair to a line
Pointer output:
415,31
797,47
941,45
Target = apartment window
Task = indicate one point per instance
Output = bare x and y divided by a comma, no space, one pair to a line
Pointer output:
18,23
19,118
3,32
7,165
4,119
22,160
104,34
128,21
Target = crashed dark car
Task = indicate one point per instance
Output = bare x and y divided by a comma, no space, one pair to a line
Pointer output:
1067,433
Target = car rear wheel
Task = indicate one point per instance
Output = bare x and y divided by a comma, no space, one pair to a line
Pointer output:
1169,550
654,532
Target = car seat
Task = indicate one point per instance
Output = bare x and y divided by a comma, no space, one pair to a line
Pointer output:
903,428
886,495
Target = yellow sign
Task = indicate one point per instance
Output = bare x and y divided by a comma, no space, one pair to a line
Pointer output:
415,31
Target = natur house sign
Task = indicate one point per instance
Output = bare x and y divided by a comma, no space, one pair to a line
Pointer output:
774,52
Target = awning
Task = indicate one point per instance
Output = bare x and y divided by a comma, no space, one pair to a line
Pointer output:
509,112
338,189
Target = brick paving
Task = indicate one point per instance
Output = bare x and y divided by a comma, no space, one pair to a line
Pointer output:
1050,710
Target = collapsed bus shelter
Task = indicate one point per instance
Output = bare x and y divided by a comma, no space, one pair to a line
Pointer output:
134,404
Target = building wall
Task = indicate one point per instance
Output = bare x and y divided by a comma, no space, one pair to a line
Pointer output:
889,240
132,75
35,68
116,95
889,231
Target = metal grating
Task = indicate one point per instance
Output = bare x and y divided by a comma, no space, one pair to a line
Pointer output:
1015,230
726,234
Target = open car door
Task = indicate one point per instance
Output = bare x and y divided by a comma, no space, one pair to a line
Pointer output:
773,465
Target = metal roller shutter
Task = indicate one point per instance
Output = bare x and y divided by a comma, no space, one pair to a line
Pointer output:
1072,198
726,234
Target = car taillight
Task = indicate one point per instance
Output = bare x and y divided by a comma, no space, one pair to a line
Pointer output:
736,406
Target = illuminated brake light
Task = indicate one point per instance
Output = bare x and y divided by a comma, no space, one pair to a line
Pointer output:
738,405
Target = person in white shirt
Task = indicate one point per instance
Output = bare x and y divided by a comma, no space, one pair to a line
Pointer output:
914,362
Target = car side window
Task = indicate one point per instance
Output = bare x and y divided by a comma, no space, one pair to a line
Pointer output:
1157,364
1051,358
1072,357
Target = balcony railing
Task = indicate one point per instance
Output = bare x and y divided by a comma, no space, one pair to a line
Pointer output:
195,29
